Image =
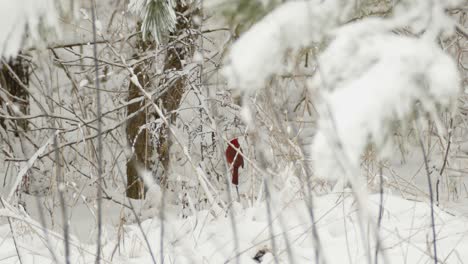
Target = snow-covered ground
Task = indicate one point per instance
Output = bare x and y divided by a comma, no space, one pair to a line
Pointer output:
405,234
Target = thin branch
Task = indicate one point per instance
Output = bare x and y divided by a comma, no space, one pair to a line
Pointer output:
63,208
431,195
87,43
270,222
13,237
379,220
461,31
138,220
99,138
444,164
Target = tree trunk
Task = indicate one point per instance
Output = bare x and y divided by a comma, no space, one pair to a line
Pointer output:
13,97
139,140
14,101
169,101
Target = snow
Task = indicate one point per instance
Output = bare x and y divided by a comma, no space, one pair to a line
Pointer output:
395,74
385,77
28,17
260,51
27,167
367,80
202,238
431,23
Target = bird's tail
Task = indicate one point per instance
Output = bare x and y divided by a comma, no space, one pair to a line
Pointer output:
235,175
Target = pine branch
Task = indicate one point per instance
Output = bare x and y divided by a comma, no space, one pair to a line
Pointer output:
158,17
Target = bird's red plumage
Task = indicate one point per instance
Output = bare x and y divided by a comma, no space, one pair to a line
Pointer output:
234,159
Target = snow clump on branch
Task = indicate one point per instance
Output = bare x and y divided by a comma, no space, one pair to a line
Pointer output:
370,78
20,18
259,53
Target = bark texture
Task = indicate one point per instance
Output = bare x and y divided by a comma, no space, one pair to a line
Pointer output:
178,51
13,97
140,141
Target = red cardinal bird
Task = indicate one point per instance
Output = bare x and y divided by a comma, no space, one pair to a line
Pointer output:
233,156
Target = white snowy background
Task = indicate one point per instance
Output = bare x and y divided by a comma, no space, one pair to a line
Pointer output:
338,150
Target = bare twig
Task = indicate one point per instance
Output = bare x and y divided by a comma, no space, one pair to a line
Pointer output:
461,31
431,195
379,220
13,236
447,150
63,208
99,139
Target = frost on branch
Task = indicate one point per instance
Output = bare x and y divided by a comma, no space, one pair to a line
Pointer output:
258,53
19,18
371,79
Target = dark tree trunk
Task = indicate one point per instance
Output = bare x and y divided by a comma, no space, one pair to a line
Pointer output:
12,93
139,141
14,101
169,101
